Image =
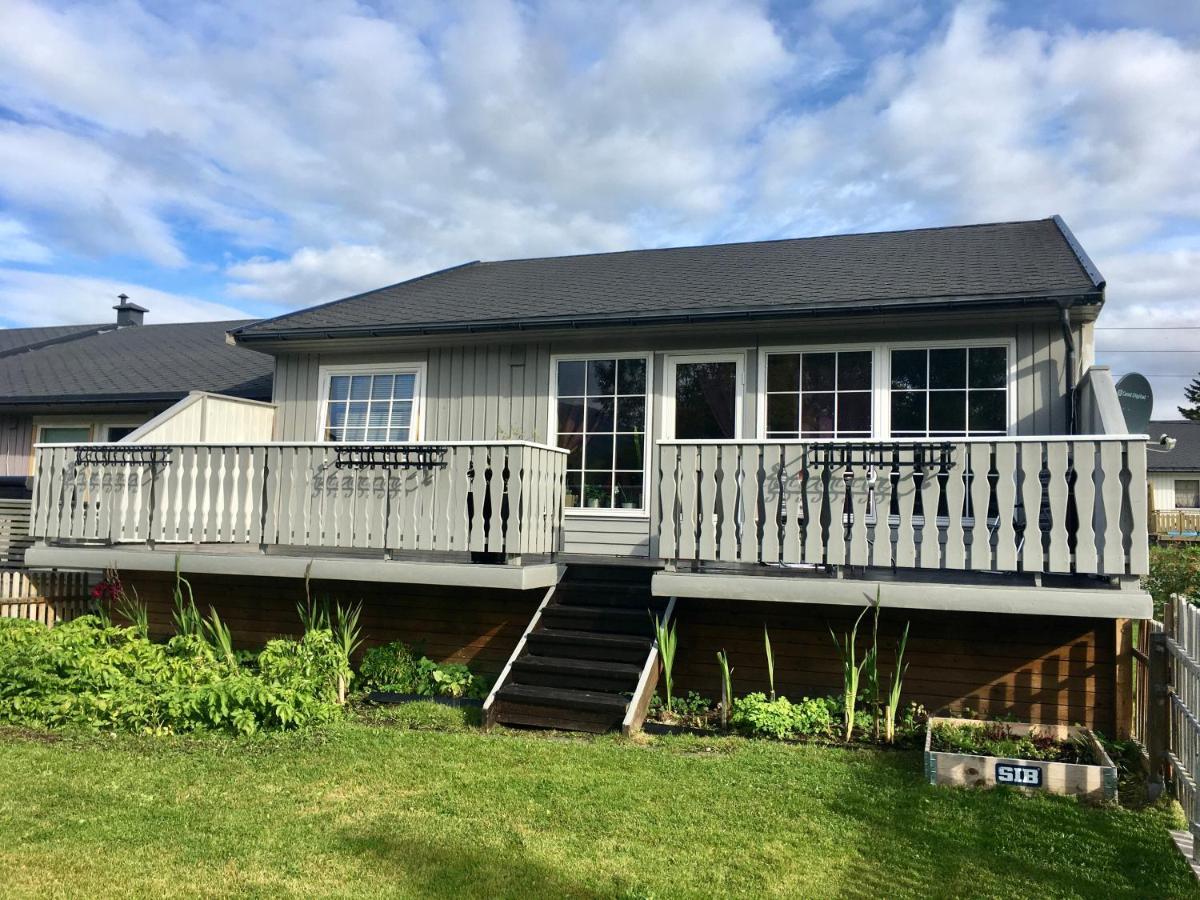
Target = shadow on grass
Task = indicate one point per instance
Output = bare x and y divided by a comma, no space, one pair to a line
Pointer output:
441,869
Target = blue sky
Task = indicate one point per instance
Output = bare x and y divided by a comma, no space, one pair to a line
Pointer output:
217,160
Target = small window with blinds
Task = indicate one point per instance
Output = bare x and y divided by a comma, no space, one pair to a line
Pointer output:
371,407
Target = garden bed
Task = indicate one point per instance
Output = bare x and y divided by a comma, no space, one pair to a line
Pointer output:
1055,759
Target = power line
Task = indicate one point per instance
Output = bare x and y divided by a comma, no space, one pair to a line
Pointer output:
1120,350
1148,328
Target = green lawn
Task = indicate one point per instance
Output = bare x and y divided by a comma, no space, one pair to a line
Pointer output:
375,809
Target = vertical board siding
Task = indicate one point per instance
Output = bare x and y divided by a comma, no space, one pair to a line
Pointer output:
16,445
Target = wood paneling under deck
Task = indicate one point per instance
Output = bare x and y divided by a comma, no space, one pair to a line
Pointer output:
1039,669
477,627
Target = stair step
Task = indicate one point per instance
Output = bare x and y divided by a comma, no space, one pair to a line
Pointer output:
564,698
573,644
618,598
510,712
604,619
578,674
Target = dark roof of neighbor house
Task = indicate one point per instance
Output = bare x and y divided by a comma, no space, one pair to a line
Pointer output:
1186,455
852,272
23,340
137,363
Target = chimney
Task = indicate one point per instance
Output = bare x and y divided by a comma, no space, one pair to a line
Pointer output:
128,313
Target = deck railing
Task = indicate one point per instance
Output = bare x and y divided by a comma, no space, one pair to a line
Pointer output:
503,498
1060,505
1175,524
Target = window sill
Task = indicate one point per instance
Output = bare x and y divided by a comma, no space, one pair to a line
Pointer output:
584,512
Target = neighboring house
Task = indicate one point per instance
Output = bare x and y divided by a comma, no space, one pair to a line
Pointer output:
104,383
511,462
1175,482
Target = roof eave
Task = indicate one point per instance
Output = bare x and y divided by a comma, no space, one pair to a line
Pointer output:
1069,298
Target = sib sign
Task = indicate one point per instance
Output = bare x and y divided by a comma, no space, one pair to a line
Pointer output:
1137,401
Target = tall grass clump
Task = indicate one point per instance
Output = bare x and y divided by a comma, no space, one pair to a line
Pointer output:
851,672
666,635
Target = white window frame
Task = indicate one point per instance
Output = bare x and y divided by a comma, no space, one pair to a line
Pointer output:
760,395
881,367
648,356
418,369
737,357
1010,385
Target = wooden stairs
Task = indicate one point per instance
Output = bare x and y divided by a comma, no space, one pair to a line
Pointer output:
588,660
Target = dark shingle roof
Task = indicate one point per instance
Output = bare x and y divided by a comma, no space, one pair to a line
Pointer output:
150,362
1186,455
844,272
22,340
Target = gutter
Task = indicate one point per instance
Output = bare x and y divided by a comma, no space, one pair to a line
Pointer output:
1064,311
940,304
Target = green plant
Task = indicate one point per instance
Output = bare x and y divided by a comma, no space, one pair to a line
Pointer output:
851,672
390,667
755,715
666,635
999,739
219,638
898,673
870,667
348,636
1174,569
185,616
133,610
726,687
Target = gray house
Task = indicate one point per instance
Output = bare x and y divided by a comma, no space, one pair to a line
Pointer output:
512,461
1175,482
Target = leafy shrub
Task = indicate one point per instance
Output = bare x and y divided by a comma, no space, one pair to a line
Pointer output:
89,673
397,668
756,716
1173,570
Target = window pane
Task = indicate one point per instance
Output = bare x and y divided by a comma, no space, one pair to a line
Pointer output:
360,387
908,410
816,415
570,415
402,414
908,370
339,387
405,386
601,377
783,372
570,378
1187,493
705,397
598,452
818,371
381,387
574,444
631,376
336,415
114,433
631,414
629,451
948,368
65,435
948,411
599,414
377,434
597,490
854,371
783,414
398,435
986,411
574,489
988,367
378,415
356,414
629,490
854,413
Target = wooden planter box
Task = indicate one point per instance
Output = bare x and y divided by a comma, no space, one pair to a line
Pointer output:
1097,782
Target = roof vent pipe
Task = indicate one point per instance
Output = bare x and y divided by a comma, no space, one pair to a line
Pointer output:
128,313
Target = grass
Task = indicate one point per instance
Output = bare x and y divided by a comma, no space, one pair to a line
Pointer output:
380,807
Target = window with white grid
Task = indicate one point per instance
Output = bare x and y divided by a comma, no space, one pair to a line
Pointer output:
371,407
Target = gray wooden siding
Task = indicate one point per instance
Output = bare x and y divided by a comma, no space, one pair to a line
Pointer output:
490,390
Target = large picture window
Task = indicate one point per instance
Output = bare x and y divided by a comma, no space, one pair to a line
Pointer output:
369,407
949,391
819,394
600,407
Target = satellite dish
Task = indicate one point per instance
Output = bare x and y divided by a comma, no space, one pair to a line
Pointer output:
1137,402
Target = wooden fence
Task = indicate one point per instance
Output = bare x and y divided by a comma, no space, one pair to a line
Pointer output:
994,505
14,531
46,597
501,498
1175,524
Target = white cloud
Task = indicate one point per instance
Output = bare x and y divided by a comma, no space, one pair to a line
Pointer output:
16,244
39,298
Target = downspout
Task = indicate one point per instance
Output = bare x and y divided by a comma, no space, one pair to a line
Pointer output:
1069,339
